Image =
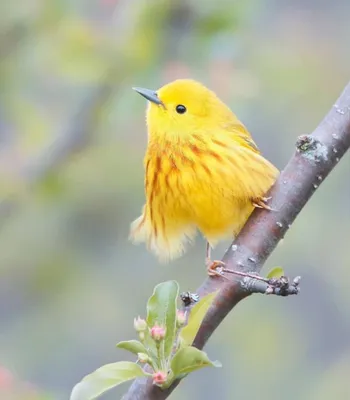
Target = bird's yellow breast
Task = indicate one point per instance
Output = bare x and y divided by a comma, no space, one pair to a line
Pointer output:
205,186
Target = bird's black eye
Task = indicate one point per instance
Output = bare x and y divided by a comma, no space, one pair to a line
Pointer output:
180,109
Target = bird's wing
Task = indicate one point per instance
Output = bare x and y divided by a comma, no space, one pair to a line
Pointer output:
249,143
250,174
242,136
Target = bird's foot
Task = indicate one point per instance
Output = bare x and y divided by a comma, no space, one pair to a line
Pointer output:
215,268
261,203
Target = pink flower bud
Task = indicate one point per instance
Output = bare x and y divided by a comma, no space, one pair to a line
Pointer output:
6,378
140,324
158,333
180,318
159,378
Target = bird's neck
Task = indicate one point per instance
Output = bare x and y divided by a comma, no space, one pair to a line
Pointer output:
167,141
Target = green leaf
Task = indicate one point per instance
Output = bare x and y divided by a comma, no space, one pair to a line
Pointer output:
161,310
105,378
51,187
190,359
197,313
276,272
134,346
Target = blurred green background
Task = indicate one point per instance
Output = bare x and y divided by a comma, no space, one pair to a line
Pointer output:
72,139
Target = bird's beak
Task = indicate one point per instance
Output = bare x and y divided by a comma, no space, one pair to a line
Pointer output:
150,95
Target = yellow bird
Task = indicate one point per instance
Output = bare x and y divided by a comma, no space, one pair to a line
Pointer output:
203,171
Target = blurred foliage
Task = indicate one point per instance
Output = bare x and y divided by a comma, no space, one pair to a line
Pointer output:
72,138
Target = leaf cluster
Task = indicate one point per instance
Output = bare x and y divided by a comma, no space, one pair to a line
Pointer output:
165,344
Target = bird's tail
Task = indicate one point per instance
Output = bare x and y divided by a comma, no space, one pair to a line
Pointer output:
167,243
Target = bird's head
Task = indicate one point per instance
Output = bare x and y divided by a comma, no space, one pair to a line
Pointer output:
184,108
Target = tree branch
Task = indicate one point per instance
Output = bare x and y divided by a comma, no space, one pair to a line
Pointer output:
315,157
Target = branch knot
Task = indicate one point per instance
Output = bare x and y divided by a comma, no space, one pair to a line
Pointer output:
277,286
312,148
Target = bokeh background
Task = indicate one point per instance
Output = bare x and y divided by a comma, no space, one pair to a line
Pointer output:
72,139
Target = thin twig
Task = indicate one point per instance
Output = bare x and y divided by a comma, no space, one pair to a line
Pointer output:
278,286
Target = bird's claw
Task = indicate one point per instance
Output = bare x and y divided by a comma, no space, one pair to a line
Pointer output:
261,203
215,268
